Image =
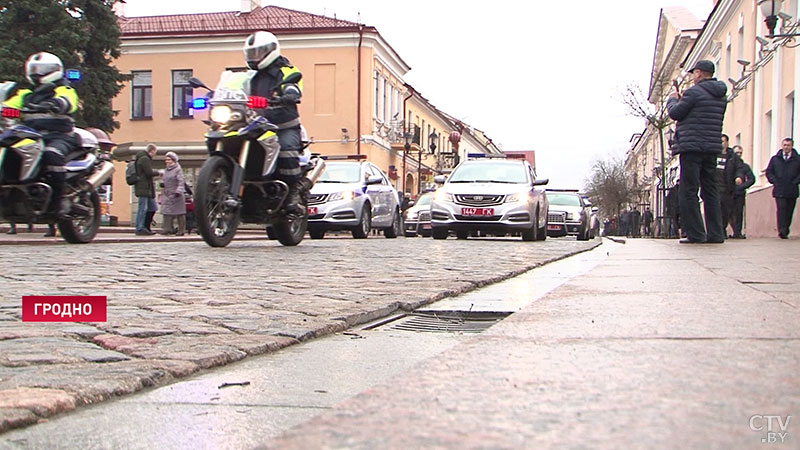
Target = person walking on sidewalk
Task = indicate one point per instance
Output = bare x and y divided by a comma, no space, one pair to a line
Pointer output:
145,190
730,168
173,203
699,113
783,171
647,221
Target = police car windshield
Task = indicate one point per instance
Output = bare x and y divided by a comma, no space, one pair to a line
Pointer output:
340,172
563,199
489,172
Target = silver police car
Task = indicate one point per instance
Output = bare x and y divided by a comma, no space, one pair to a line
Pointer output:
353,194
491,195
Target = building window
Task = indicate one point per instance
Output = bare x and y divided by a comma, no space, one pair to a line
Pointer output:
181,93
789,115
142,92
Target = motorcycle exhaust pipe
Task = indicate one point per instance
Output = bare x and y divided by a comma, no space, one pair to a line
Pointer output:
100,175
316,172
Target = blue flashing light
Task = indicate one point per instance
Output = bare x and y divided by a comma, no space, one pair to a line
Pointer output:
199,103
476,155
73,74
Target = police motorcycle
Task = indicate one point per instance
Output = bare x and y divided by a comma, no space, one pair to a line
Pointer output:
238,182
25,197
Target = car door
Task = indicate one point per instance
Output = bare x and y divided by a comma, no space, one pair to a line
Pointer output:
381,194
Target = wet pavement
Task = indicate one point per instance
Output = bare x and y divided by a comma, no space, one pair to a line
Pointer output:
179,307
661,346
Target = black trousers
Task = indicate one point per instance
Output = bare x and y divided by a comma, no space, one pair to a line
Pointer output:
785,212
726,207
698,172
737,218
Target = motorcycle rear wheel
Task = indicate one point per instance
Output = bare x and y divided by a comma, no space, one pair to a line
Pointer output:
82,230
291,230
216,222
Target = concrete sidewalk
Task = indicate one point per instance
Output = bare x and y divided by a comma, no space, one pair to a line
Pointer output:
662,346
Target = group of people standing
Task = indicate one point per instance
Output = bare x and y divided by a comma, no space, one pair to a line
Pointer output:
172,198
722,178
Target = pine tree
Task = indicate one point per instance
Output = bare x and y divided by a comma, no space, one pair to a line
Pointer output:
83,33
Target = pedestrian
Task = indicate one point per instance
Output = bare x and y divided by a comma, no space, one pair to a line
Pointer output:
636,223
783,171
739,195
173,203
673,211
145,190
647,221
730,173
624,223
699,113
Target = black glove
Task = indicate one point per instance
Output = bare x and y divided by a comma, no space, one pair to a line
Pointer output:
51,105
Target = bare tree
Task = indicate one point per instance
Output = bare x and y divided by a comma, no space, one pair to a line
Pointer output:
609,187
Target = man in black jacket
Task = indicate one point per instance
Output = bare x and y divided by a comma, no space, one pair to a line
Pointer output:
739,194
145,190
783,171
730,169
699,113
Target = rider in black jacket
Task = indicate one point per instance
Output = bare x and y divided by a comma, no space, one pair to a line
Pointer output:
262,54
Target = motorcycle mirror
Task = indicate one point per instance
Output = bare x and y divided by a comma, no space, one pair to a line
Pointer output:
196,83
293,77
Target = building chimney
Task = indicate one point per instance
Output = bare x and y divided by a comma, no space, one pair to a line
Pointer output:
250,5
119,8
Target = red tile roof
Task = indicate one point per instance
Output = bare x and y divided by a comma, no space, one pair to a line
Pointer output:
271,18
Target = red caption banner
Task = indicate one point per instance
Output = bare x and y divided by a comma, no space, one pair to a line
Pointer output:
63,308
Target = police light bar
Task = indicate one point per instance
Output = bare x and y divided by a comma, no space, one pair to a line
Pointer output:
9,113
199,103
485,155
343,157
255,102
515,156
73,74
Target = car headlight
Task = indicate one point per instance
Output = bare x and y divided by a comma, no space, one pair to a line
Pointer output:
346,195
221,113
570,216
518,197
412,215
442,196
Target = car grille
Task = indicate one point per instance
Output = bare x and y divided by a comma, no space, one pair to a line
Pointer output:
317,199
556,217
479,200
478,218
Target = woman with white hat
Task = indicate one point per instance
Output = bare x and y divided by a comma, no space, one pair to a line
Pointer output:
172,201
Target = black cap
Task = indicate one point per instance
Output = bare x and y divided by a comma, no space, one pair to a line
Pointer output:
704,65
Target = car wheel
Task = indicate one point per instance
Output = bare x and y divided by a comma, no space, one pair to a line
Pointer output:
439,233
541,232
361,231
532,233
316,233
462,234
397,227
583,235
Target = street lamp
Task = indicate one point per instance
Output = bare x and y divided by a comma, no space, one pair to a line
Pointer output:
772,11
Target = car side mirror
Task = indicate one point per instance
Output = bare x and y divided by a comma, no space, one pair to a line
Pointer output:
411,203
594,209
439,179
375,179
541,182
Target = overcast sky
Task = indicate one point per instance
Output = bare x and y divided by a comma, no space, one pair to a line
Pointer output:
530,75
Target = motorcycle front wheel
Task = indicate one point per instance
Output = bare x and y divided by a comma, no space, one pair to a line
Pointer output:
291,229
82,230
216,221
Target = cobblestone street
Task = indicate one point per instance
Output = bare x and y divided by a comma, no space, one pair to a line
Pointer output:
179,307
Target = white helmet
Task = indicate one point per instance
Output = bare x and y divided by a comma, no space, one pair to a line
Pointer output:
43,68
261,49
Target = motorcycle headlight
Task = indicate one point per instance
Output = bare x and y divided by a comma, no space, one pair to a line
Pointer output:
442,196
221,113
520,197
346,195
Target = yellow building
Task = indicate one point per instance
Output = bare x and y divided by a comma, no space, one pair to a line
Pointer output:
355,100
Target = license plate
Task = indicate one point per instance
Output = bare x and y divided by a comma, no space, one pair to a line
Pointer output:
554,227
312,210
426,226
477,211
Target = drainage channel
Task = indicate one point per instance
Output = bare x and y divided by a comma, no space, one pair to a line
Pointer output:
245,404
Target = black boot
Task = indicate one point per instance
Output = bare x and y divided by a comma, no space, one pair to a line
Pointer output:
296,200
148,220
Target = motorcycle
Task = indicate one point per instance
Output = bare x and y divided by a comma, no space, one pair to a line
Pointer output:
25,196
238,182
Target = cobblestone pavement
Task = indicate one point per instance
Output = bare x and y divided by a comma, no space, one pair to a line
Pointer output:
178,307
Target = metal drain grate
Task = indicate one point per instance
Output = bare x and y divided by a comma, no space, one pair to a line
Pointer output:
445,321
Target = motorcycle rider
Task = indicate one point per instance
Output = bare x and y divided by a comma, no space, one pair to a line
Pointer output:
55,101
262,53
